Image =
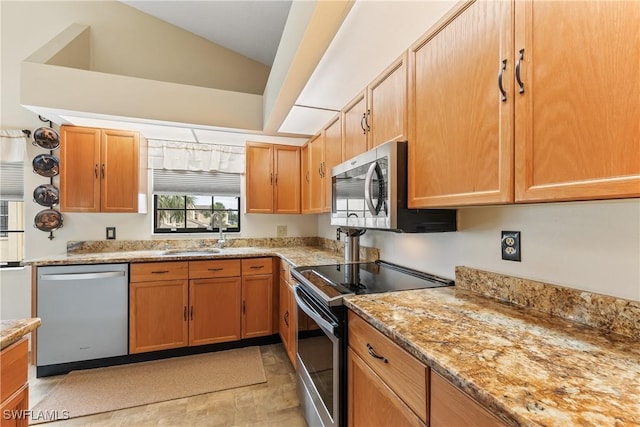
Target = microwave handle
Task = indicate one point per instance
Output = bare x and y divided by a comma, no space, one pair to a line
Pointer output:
367,189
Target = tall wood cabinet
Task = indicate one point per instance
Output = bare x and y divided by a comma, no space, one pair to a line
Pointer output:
272,178
379,113
525,101
101,170
460,125
288,312
578,113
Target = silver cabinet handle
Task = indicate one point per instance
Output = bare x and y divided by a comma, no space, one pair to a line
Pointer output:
503,93
518,78
373,353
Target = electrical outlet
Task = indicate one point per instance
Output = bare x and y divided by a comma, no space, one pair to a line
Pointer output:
111,233
510,244
338,234
281,231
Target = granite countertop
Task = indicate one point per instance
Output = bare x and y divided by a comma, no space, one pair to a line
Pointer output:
13,329
527,367
297,255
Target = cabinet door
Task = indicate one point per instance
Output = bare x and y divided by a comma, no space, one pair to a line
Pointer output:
293,319
287,179
284,323
305,190
79,169
316,145
387,99
460,128
214,310
452,407
18,403
354,129
259,178
119,171
257,314
158,315
371,402
332,157
577,121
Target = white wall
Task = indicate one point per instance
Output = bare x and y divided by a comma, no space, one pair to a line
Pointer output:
592,246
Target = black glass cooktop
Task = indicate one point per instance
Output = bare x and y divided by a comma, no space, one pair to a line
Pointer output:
332,282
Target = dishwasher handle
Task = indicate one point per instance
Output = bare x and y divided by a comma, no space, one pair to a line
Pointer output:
81,276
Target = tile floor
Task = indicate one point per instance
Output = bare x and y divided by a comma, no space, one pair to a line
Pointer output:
273,403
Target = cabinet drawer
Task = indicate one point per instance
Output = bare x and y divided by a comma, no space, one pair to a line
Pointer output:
285,271
152,271
218,268
403,373
13,368
253,266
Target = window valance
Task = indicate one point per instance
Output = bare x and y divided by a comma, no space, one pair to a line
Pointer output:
189,156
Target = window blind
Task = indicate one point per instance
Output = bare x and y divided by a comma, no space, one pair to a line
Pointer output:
12,180
167,181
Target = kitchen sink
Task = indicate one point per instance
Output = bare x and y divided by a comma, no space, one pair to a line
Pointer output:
191,252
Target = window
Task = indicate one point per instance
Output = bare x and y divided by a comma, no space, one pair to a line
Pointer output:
195,201
11,214
11,233
195,214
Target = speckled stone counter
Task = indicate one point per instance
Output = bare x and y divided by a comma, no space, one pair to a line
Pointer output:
528,367
298,251
13,329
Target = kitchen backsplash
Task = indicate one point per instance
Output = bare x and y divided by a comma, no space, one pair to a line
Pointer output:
100,246
609,314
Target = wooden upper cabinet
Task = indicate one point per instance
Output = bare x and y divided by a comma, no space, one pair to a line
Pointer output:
305,179
272,178
354,129
387,105
259,177
80,169
119,171
332,156
460,126
101,170
578,119
286,165
316,155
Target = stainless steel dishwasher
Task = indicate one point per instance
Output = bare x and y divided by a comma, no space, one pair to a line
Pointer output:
84,311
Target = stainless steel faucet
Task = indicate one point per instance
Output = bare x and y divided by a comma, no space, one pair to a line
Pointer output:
221,239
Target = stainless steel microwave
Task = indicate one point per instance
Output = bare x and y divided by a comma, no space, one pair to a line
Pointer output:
370,191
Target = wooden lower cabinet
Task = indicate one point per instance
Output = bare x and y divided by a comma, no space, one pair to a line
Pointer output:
370,400
288,314
214,313
158,315
257,305
14,389
452,407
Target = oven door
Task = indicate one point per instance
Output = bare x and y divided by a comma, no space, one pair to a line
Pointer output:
319,352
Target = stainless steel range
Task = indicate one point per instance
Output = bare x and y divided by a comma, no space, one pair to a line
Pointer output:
322,329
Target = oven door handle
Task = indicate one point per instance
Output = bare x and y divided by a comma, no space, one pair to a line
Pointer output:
313,314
